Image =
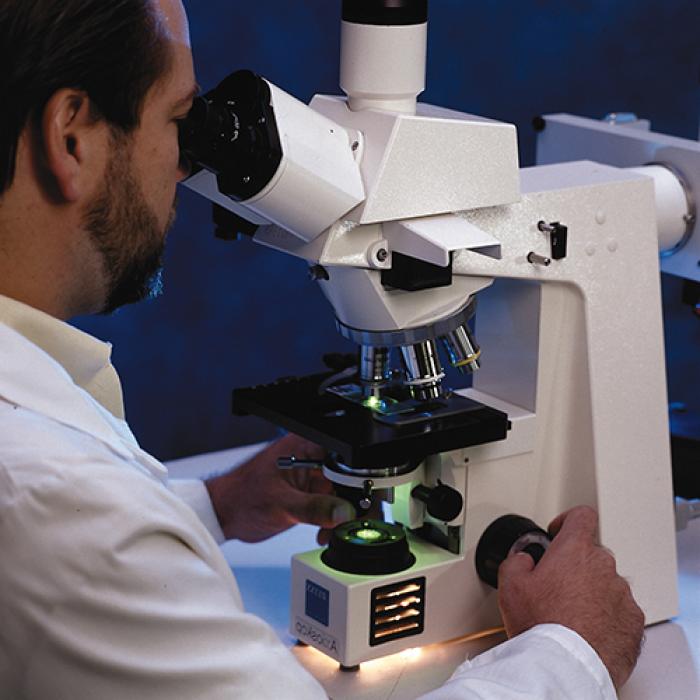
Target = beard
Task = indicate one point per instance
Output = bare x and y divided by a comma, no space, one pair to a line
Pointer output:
126,233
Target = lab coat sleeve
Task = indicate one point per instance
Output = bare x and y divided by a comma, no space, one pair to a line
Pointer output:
195,494
549,662
132,599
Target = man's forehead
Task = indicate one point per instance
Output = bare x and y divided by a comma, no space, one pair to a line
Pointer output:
179,84
172,20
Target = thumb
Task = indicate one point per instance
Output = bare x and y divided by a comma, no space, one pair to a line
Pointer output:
514,567
319,509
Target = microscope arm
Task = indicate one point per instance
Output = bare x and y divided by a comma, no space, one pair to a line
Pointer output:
673,163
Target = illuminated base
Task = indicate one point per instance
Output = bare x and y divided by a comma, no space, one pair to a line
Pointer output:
353,618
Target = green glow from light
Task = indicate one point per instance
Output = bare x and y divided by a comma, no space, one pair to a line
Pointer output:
373,402
368,535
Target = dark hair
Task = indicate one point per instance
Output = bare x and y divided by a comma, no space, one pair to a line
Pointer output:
111,49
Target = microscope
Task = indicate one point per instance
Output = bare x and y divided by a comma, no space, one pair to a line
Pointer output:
410,215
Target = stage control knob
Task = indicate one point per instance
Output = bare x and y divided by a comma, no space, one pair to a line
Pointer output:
508,535
442,502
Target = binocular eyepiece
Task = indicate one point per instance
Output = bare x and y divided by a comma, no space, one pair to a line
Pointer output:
232,132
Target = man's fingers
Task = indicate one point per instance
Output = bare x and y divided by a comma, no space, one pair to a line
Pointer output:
324,536
298,446
579,521
515,566
320,510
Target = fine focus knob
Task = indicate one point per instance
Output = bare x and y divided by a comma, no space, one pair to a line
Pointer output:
442,502
508,535
385,12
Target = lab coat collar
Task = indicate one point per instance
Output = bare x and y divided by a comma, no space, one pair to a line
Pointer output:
32,379
86,359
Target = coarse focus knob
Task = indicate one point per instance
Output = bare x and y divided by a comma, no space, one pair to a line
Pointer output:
508,535
442,502
385,12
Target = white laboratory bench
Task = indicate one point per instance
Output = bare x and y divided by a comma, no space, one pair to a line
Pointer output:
669,666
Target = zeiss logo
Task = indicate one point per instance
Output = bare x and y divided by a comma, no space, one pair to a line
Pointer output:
318,601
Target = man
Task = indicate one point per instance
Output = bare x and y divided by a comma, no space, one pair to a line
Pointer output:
112,584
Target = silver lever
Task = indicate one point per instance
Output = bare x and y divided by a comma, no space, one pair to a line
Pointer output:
293,463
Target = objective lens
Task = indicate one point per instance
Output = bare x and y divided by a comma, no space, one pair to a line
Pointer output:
423,370
462,349
374,364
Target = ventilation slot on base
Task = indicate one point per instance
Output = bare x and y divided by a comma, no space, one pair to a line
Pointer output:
398,611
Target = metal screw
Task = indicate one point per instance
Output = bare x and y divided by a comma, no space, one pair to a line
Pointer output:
545,227
536,259
246,179
355,145
382,255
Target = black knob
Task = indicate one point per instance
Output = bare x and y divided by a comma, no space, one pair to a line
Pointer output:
510,533
443,502
385,12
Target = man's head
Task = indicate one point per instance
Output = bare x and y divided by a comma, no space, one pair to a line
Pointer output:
91,94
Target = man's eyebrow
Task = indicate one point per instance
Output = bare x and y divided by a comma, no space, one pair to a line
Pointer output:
185,101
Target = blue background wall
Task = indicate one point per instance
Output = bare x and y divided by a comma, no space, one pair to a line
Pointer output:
235,314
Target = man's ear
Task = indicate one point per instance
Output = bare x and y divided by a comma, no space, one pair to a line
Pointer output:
74,143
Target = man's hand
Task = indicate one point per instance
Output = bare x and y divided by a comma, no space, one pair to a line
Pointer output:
576,585
258,500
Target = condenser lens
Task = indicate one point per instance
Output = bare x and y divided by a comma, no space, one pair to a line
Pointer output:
369,535
368,547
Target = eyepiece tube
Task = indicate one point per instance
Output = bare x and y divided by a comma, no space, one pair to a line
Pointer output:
424,372
383,54
462,349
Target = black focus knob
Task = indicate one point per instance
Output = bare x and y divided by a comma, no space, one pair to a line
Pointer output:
442,502
508,534
385,12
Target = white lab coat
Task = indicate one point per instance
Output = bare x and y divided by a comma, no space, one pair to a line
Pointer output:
111,587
